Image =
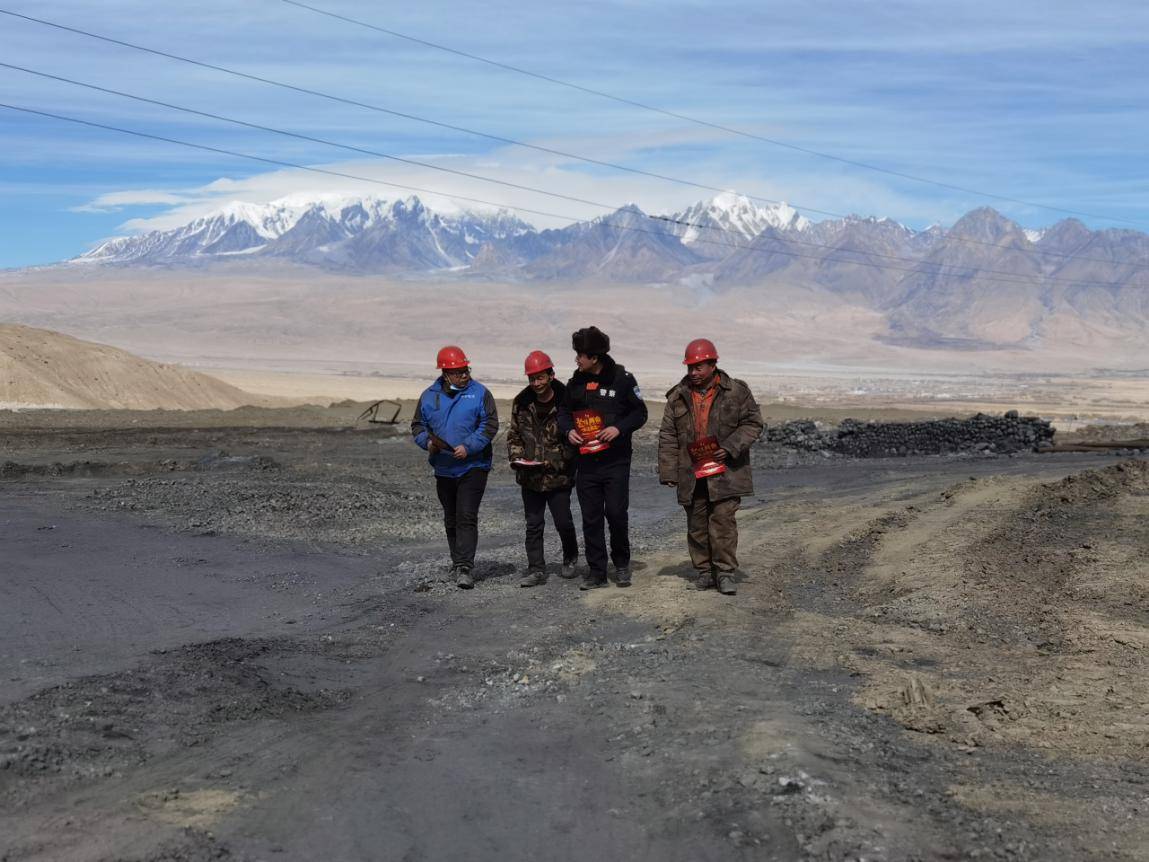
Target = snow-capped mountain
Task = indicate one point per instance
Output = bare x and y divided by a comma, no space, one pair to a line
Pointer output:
983,280
727,240
360,233
709,227
375,234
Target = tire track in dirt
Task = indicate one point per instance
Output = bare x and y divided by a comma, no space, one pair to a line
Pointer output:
1003,616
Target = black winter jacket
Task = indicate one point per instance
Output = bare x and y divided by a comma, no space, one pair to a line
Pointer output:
615,394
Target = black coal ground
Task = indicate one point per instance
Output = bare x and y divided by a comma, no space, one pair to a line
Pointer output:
227,681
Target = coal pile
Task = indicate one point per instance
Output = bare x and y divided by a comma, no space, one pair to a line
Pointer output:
980,434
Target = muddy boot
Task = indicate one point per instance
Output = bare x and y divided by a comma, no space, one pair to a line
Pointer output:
533,579
569,569
592,582
726,584
622,577
704,581
463,578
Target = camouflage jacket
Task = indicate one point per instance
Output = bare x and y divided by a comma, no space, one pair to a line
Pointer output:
534,439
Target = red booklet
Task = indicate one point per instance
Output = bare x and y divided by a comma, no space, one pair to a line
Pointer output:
588,423
702,458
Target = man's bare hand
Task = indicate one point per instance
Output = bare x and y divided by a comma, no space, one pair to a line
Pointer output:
609,433
721,455
460,452
575,438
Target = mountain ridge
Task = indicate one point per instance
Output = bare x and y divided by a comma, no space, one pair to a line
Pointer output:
984,281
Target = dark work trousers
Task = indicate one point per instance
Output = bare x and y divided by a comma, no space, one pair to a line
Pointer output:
712,531
461,498
535,505
604,492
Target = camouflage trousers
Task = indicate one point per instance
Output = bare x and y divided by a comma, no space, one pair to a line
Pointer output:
712,531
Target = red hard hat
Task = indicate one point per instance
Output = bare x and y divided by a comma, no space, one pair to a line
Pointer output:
537,361
699,350
451,357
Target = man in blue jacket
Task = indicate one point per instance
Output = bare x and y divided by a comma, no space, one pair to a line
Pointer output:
455,422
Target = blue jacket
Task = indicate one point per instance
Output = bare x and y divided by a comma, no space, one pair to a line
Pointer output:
468,417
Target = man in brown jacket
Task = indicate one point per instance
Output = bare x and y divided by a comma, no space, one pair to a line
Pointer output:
716,416
544,465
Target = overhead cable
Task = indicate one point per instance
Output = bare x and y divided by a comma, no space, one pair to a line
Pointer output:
1015,278
730,130
457,172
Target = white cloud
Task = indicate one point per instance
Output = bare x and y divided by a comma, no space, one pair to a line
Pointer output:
851,194
116,201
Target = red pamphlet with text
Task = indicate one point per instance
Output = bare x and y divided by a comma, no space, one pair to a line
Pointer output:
702,458
588,423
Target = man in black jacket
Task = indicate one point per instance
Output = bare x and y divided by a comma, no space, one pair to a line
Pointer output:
601,408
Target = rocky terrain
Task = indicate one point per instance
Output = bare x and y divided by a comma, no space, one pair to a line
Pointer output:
238,642
981,433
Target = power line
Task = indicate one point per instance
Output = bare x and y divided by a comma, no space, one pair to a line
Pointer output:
456,172
730,130
463,129
916,269
278,162
379,108
302,137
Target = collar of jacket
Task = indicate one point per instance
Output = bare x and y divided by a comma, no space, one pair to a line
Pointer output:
527,397
607,373
681,389
446,387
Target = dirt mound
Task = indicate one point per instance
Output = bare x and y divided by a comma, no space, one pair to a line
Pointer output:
1093,486
40,368
977,434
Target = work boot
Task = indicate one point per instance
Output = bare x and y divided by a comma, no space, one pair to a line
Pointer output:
704,581
592,582
463,578
533,579
569,568
726,584
622,577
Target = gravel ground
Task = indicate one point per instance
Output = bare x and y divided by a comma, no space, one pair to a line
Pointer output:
240,644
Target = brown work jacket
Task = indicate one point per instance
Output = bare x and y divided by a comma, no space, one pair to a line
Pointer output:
735,420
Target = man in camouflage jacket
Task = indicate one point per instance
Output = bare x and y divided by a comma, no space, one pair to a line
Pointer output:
534,436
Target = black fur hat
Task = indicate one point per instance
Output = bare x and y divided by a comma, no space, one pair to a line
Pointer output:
591,341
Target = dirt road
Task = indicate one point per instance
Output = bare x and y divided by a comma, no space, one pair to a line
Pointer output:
239,644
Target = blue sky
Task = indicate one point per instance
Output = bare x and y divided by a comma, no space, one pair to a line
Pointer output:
1042,101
